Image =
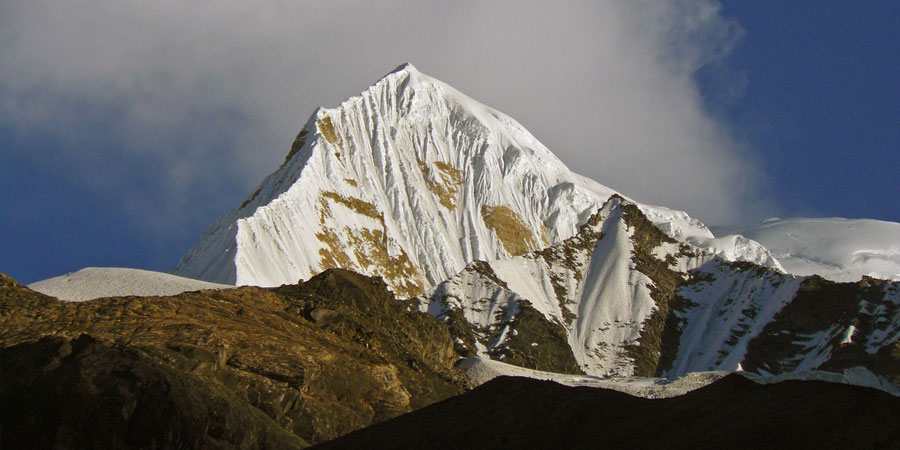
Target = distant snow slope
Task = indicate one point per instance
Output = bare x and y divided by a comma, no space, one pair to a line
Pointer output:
482,370
834,248
96,282
412,180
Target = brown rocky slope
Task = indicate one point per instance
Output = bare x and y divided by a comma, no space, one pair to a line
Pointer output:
241,368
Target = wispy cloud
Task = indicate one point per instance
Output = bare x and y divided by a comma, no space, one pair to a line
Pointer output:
182,107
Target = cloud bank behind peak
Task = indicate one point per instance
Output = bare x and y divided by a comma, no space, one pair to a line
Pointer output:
164,106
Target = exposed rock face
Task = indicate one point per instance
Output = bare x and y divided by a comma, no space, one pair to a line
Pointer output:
732,413
241,368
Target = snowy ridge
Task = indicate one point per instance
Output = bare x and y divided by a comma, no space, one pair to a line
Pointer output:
411,180
856,376
834,248
730,246
97,282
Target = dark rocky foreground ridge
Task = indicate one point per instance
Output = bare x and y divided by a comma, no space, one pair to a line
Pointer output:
242,368
732,413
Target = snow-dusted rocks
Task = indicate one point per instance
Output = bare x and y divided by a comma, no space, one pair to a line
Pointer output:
633,301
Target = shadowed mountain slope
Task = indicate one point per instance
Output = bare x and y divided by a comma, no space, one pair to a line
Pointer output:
732,413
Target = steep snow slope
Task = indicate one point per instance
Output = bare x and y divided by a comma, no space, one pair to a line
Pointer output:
725,306
411,180
835,248
96,282
482,370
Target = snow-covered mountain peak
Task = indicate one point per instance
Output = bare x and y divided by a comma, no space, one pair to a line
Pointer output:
410,180
405,67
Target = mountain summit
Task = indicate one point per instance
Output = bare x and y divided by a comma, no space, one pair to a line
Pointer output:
411,181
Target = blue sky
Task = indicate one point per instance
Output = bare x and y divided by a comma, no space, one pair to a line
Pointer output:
822,103
126,130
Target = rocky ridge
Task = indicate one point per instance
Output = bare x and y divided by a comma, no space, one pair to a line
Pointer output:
240,368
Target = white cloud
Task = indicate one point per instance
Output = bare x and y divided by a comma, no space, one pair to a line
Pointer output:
208,95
